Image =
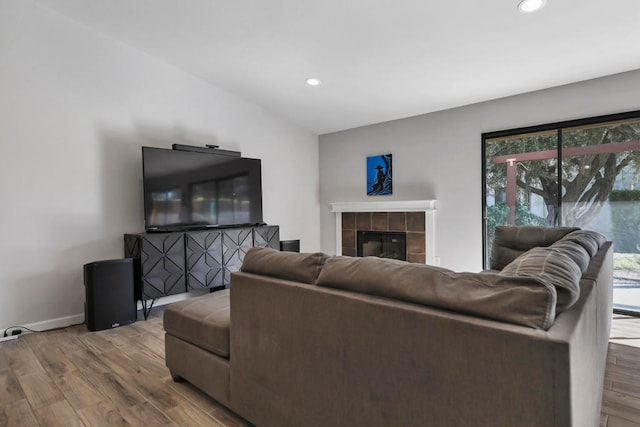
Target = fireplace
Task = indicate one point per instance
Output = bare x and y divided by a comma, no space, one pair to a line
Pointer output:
414,218
383,244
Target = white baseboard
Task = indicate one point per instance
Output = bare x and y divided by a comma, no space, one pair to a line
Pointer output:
76,319
45,325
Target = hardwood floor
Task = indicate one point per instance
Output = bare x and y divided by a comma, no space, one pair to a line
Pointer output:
72,377
621,394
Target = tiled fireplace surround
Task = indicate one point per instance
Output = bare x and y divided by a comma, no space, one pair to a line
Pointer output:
411,223
414,217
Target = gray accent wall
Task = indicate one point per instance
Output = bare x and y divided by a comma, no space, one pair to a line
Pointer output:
438,156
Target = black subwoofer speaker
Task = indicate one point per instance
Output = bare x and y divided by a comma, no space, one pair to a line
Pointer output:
109,294
290,245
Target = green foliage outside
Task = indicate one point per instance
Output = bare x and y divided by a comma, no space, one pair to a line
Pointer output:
625,196
587,179
626,266
497,215
626,262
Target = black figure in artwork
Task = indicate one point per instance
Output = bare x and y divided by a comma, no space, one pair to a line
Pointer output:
379,179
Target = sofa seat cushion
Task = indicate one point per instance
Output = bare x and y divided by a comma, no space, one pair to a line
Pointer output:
298,267
202,321
526,301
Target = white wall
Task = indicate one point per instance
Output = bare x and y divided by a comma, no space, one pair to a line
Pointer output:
75,108
438,156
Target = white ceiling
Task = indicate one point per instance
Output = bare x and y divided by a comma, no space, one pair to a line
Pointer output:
378,60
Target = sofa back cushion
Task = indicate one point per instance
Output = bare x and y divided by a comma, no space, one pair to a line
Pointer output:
576,252
552,266
510,241
299,267
589,240
522,300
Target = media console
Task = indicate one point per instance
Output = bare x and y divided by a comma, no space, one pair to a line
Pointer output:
177,262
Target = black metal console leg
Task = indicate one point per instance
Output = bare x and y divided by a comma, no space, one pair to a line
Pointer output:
146,310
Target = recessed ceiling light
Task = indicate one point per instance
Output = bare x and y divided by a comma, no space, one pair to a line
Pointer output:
528,6
312,81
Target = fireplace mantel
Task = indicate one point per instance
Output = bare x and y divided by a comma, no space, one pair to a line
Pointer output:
426,206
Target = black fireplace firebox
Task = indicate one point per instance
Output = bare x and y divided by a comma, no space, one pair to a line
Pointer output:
382,244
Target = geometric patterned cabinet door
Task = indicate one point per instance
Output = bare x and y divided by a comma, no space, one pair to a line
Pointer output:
162,263
267,236
204,259
175,262
235,244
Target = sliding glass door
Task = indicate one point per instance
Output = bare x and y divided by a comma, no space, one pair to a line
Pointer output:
583,173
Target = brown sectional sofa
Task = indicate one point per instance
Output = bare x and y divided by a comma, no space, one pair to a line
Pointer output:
313,340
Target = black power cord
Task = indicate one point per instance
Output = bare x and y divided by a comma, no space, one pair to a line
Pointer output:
18,331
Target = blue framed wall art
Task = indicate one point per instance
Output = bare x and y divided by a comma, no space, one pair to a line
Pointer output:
379,175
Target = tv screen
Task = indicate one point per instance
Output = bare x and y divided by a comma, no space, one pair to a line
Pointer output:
189,189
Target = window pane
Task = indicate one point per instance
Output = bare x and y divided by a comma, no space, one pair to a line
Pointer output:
521,176
599,180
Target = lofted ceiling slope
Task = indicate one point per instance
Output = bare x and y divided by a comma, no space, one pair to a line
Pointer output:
378,60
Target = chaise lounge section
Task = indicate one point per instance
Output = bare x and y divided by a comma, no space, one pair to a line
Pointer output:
314,340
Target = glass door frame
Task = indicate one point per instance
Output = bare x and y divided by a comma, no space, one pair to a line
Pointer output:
558,127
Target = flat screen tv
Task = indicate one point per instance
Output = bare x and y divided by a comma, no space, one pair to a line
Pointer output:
193,189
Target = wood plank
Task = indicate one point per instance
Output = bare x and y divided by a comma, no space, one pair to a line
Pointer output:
102,414
152,362
69,343
58,414
146,414
207,404
122,393
155,391
40,390
96,342
620,422
187,414
87,361
53,360
229,418
17,414
10,390
21,358
621,405
77,390
121,364
4,362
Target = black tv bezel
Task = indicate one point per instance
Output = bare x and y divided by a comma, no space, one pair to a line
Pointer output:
198,151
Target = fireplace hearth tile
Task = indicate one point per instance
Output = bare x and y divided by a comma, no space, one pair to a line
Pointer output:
415,243
415,221
417,258
397,221
379,221
348,221
349,251
348,239
363,220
